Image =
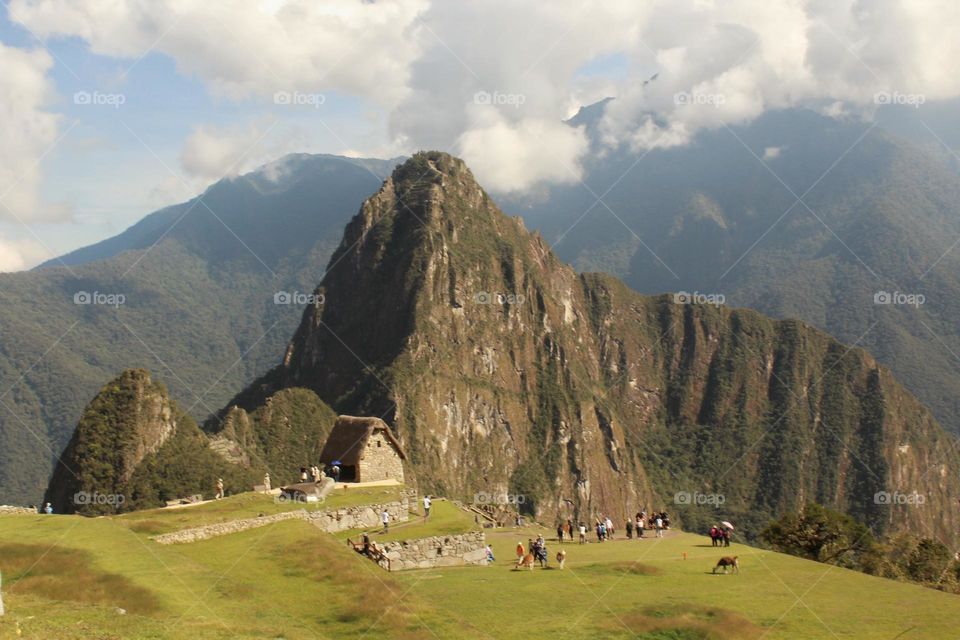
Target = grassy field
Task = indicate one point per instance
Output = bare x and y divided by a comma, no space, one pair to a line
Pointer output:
66,577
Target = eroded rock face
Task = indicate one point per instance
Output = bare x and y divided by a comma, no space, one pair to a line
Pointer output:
506,373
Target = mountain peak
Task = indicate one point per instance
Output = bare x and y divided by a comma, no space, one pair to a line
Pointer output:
503,371
431,166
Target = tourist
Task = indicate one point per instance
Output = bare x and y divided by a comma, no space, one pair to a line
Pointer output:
570,529
629,529
266,482
599,528
48,508
303,474
609,528
640,526
426,507
366,544
726,537
219,493
335,473
490,557
540,551
520,551
560,533
658,525
385,518
583,533
713,536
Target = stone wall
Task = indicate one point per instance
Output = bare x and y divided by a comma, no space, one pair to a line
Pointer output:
436,551
224,528
361,517
6,510
329,520
380,460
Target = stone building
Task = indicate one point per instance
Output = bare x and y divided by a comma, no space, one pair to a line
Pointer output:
366,449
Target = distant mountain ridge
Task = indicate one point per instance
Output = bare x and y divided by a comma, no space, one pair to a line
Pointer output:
879,214
289,180
198,289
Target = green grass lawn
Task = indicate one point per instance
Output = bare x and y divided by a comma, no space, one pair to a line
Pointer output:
247,505
647,589
445,518
65,577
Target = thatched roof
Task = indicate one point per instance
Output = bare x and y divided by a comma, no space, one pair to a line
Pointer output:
349,436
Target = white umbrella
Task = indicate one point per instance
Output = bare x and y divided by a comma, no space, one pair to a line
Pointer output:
726,524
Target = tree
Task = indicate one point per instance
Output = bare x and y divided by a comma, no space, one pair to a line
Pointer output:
821,534
929,561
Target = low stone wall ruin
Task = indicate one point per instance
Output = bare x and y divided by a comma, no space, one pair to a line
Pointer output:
435,551
6,510
360,517
329,520
224,528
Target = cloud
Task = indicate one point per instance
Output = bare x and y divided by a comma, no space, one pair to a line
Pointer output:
772,153
241,48
726,63
17,255
27,131
423,63
211,153
514,156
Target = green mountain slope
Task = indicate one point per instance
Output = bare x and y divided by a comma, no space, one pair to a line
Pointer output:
198,281
878,214
135,448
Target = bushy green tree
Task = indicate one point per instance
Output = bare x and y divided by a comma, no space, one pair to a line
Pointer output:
929,561
824,535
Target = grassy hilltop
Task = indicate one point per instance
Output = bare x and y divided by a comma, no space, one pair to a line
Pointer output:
66,577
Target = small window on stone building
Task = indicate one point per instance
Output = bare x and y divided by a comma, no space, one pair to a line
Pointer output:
379,443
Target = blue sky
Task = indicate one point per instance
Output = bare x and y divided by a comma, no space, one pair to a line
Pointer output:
117,162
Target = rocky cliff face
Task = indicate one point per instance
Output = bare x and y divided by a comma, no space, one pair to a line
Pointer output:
506,374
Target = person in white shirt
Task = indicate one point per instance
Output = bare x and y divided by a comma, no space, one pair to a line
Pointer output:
426,507
385,518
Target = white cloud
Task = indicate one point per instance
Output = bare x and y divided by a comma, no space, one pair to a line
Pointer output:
515,156
243,48
17,255
772,153
737,59
423,62
210,153
27,131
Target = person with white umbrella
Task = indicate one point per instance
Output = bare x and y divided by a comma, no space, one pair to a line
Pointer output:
727,530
